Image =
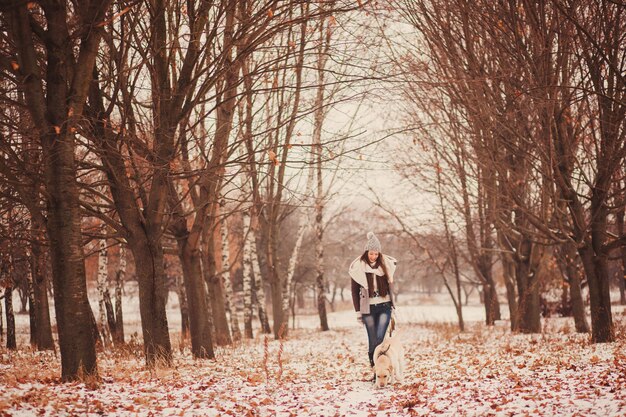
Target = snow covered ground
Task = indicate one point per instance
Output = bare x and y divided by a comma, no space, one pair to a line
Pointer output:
481,372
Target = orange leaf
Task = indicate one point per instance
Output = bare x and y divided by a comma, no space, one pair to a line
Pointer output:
31,5
270,13
272,156
57,129
70,112
15,65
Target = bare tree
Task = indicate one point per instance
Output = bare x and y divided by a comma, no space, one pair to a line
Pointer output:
55,108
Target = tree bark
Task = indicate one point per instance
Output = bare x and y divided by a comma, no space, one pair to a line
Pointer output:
8,305
31,310
247,276
528,305
148,257
43,339
216,292
118,336
259,288
280,325
231,310
195,290
184,307
102,281
569,258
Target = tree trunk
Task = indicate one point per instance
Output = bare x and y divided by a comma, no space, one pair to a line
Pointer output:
600,298
319,280
280,326
200,331
569,259
259,289
231,309
492,305
110,314
148,257
118,336
43,339
184,307
195,290
102,280
293,260
73,312
216,292
619,220
529,309
8,304
508,273
247,275
31,310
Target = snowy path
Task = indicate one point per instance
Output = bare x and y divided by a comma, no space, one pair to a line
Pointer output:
481,372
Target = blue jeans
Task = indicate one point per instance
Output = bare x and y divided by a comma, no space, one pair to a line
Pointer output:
376,324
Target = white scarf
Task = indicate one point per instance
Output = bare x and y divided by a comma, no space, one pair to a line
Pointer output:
358,269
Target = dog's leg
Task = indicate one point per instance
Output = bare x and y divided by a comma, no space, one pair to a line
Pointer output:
400,369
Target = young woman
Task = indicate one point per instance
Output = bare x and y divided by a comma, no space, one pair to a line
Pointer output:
372,278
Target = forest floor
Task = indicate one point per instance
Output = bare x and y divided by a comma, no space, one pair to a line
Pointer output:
480,372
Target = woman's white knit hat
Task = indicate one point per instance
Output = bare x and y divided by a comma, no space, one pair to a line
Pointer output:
373,243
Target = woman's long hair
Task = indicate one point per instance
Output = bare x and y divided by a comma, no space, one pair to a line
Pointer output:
379,262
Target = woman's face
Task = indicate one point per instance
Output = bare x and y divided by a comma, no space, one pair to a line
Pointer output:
372,256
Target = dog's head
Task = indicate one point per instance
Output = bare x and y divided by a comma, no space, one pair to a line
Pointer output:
383,369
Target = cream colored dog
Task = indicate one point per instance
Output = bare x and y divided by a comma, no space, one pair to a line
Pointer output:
389,362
